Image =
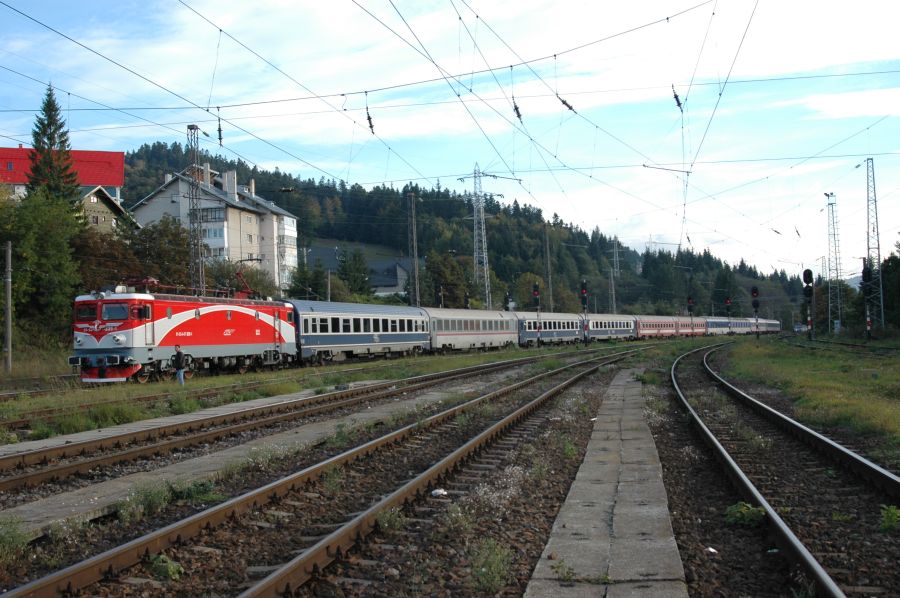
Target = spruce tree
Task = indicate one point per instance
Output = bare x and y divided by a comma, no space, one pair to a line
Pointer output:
51,160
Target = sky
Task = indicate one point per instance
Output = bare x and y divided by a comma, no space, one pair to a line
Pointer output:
717,125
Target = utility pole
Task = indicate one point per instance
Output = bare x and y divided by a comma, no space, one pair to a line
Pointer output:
549,273
612,291
414,252
7,347
195,268
834,267
872,289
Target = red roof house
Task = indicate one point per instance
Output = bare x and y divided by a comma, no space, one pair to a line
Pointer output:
106,169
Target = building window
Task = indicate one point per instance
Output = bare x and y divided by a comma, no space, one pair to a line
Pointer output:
249,238
95,219
9,166
93,199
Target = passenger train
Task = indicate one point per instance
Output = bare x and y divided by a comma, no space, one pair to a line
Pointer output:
126,335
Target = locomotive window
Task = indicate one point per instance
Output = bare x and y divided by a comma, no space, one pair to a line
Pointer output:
357,325
290,316
86,312
114,311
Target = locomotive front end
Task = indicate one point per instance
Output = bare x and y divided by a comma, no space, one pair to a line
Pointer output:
104,337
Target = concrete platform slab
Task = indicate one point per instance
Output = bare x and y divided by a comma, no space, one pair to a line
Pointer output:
613,536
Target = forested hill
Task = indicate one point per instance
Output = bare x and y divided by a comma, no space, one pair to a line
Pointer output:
519,238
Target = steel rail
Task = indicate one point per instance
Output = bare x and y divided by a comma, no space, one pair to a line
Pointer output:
872,472
783,534
94,569
287,579
39,455
168,446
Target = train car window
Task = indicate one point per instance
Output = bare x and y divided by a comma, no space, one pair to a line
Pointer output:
335,325
114,311
393,325
376,325
305,325
346,329
85,312
367,325
401,327
169,312
323,325
384,325
357,325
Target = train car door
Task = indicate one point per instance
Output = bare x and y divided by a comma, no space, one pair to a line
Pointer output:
146,312
277,328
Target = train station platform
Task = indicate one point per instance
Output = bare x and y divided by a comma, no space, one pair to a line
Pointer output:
613,536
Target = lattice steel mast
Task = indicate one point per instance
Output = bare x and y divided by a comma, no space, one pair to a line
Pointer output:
834,268
482,270
872,289
414,298
195,267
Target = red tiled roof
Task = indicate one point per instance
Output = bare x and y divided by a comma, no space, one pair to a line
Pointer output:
93,168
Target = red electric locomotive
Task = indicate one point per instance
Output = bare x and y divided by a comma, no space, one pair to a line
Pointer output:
128,335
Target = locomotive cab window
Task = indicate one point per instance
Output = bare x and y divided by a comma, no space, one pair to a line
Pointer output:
114,311
85,312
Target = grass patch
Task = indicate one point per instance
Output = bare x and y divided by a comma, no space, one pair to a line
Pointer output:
491,563
744,514
145,499
13,541
392,520
890,518
165,568
830,388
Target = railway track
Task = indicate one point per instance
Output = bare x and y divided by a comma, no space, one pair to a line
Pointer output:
318,514
822,502
53,463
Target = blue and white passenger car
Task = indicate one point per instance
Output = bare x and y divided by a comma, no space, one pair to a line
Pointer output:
336,331
547,328
608,327
467,329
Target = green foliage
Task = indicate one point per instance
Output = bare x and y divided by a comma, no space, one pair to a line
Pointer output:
163,251
222,274
51,160
744,514
163,567
197,492
491,563
890,518
392,520
333,480
145,499
13,540
564,572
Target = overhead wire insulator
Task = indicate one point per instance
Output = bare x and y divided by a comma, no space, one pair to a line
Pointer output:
219,116
677,99
516,109
566,104
369,116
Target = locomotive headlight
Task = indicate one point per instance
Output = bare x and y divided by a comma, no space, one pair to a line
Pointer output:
118,339
78,340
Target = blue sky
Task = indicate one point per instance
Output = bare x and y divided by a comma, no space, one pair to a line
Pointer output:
780,103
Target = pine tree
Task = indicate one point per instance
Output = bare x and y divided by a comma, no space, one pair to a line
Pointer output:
51,161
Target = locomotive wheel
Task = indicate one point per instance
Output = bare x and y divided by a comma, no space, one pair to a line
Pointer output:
188,373
166,375
142,376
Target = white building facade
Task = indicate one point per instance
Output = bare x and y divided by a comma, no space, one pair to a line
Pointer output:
236,224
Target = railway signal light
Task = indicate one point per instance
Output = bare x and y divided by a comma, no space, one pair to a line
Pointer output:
466,299
754,292
507,301
690,305
807,276
808,292
536,293
728,301
584,294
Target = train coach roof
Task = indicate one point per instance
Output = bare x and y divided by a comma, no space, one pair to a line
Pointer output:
469,314
531,315
356,309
